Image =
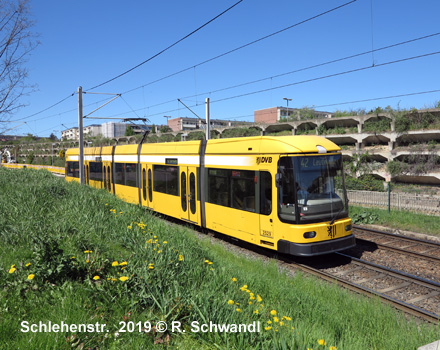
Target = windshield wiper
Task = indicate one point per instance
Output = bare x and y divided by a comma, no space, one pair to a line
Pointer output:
337,214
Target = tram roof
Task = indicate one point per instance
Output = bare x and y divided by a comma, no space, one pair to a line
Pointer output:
239,145
271,145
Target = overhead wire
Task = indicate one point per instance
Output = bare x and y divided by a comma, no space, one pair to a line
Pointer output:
310,80
167,48
294,71
243,46
201,63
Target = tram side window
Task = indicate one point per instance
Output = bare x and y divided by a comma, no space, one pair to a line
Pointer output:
95,171
119,174
72,169
219,188
130,174
166,179
126,174
232,188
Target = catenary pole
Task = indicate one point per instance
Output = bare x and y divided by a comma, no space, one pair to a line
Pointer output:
208,120
81,136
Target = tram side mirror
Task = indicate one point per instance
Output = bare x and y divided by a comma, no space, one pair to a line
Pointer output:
278,178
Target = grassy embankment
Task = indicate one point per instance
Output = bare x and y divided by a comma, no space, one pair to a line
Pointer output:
78,255
397,219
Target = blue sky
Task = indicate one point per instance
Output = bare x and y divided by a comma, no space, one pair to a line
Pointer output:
85,43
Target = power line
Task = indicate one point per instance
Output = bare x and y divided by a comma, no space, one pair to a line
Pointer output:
310,80
46,109
243,46
201,63
296,71
379,98
328,76
167,48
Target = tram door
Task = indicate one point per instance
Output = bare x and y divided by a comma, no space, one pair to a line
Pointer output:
188,193
266,208
147,185
106,178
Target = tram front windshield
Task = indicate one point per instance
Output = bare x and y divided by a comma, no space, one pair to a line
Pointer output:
311,189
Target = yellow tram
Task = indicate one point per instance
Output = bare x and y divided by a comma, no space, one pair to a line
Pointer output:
283,193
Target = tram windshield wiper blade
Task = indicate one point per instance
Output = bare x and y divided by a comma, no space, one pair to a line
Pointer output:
337,214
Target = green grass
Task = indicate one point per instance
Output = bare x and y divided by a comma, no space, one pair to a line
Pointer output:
398,219
172,275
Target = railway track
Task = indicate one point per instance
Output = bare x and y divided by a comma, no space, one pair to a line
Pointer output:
405,245
411,294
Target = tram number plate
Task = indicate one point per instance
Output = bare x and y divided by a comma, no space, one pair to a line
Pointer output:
331,230
266,233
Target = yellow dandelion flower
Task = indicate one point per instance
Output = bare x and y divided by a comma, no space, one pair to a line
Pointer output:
96,278
181,257
123,263
72,257
159,251
281,323
275,319
88,251
123,278
256,312
252,298
87,261
115,263
273,312
250,303
114,279
129,227
165,242
31,276
234,279
268,328
269,322
321,342
238,310
332,348
206,261
28,264
231,302
12,270
210,263
151,267
259,298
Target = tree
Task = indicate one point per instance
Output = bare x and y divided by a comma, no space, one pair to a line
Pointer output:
129,131
16,42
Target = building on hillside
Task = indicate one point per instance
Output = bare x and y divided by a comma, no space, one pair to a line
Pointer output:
187,124
111,129
4,138
70,134
92,130
277,114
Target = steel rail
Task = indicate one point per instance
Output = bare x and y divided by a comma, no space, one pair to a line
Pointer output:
399,250
405,238
398,304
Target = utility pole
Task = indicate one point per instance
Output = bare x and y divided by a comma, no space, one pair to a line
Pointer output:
287,110
81,136
208,120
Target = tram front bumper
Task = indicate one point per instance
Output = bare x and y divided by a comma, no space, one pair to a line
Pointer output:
316,248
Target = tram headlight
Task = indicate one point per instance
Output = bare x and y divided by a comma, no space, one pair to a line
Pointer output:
348,227
310,234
